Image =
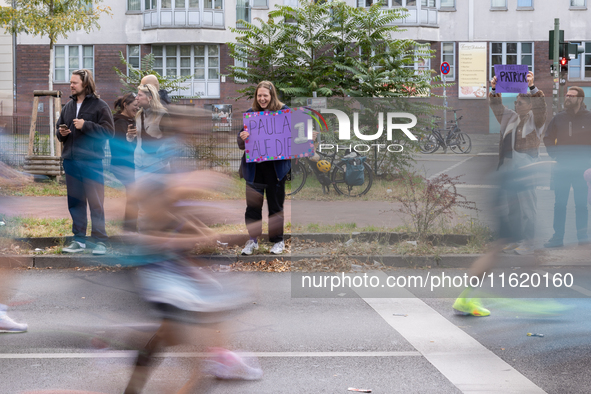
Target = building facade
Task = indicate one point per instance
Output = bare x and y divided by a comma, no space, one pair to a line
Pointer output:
6,72
188,37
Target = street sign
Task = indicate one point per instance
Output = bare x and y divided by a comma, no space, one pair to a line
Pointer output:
445,68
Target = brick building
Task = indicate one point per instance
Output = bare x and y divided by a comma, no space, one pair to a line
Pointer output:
188,37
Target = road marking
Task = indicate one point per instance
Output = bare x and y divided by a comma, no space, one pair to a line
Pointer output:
451,168
466,363
464,186
576,288
133,354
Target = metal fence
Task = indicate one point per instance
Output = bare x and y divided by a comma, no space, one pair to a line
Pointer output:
205,148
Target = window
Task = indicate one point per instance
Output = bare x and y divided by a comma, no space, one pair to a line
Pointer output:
213,4
448,54
578,3
511,53
134,5
428,3
390,3
150,4
260,4
580,68
498,4
242,12
133,56
202,62
422,63
448,4
69,58
529,4
240,63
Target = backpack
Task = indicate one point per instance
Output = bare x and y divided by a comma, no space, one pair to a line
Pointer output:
354,175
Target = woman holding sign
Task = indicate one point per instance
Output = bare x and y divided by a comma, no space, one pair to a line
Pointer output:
264,177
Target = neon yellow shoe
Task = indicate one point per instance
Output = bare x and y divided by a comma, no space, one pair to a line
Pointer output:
470,306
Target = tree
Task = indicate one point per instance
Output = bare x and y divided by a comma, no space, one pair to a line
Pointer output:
132,81
52,19
331,49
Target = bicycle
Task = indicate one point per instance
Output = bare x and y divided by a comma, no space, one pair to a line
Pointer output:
456,140
300,169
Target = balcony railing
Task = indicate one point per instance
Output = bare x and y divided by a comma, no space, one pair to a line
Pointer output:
192,17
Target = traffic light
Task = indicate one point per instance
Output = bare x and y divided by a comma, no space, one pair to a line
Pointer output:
564,64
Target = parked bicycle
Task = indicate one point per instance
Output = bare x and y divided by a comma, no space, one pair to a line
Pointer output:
454,138
350,175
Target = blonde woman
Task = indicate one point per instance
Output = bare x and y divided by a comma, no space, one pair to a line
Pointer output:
152,152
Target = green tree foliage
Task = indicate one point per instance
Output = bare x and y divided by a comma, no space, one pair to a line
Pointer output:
129,83
52,19
330,48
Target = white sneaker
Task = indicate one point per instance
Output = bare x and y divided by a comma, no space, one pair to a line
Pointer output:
74,247
278,247
224,364
250,247
9,325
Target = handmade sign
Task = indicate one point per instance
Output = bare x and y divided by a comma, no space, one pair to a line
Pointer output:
511,78
279,135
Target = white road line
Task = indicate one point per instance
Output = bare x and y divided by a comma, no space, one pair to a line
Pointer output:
132,354
577,288
451,168
466,363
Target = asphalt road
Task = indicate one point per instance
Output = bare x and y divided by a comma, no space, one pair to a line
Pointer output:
305,345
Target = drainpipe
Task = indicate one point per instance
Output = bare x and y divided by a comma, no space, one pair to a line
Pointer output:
13,67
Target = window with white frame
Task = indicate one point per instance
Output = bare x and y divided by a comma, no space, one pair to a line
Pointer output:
388,3
511,53
578,3
525,4
448,54
447,4
69,58
134,56
134,5
240,63
498,4
580,68
422,62
202,62
259,4
242,12
428,3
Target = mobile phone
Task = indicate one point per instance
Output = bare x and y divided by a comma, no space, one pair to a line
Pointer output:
64,125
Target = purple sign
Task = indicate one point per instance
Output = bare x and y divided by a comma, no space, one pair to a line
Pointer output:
279,135
511,78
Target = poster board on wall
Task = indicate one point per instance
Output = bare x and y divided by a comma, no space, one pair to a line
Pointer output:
472,70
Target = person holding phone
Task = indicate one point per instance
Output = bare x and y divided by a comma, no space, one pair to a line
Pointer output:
84,126
122,153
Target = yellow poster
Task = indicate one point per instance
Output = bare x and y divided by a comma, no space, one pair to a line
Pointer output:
472,70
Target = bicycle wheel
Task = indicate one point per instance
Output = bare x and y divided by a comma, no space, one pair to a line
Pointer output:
341,187
428,143
296,178
461,143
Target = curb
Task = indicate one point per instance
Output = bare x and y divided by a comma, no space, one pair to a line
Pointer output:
395,261
239,239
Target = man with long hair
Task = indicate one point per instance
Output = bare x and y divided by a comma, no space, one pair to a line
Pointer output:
84,126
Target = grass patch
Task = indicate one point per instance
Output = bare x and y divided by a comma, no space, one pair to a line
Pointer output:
26,227
51,189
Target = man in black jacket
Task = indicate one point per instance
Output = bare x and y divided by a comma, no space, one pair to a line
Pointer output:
84,126
568,140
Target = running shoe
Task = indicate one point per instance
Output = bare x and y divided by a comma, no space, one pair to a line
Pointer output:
227,365
74,247
250,247
278,248
10,326
470,306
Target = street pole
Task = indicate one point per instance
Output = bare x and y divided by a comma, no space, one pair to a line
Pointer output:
444,104
556,76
